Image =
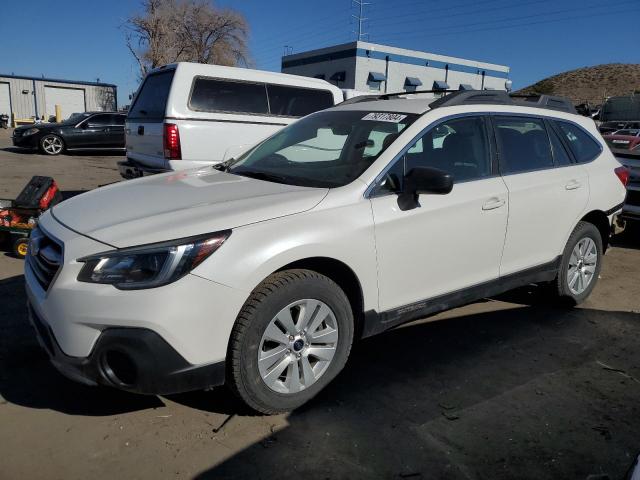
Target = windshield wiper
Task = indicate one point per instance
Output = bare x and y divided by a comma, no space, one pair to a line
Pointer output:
260,175
224,166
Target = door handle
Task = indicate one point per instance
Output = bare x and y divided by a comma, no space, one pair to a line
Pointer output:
141,130
493,204
573,185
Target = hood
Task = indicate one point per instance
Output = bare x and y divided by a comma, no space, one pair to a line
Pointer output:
169,206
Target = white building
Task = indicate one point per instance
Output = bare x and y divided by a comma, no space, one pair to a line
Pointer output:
368,66
35,97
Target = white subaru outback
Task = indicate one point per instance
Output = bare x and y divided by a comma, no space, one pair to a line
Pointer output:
261,272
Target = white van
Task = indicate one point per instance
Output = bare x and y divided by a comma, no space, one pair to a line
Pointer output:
186,115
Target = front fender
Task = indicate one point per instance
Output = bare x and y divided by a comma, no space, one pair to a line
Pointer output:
253,252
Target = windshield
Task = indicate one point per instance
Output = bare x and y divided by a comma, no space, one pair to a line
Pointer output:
76,117
327,149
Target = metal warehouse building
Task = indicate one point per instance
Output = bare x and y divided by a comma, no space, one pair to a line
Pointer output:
24,98
367,66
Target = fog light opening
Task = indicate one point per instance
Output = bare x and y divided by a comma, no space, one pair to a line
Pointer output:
119,368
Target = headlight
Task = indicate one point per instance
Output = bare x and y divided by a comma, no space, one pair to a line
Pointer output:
31,131
152,265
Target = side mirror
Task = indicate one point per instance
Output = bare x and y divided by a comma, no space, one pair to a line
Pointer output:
84,125
423,180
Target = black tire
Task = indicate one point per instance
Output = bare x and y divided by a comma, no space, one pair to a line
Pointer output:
264,303
560,287
48,151
20,247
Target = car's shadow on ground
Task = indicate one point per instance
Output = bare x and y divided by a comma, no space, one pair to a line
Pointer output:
418,402
72,153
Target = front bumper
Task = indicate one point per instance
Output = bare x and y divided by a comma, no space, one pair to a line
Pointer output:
132,359
30,141
176,336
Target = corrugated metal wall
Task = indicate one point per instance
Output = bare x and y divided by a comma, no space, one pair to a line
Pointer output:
24,105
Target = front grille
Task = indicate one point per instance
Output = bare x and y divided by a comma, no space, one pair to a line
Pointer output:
633,198
44,257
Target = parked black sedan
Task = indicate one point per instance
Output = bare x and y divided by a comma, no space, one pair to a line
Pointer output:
81,131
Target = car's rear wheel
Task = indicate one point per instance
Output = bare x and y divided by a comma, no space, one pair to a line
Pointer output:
580,265
292,337
51,144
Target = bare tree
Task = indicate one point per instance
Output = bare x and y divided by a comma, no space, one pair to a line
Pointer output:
186,30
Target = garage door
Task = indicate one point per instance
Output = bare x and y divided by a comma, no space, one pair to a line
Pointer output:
5,102
71,100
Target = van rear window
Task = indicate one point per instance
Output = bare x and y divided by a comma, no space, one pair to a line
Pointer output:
211,95
151,101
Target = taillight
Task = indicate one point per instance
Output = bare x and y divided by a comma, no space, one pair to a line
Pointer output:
623,175
172,149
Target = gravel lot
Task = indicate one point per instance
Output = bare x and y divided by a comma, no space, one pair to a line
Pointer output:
506,388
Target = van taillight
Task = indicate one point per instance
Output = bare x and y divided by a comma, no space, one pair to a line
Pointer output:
623,175
172,149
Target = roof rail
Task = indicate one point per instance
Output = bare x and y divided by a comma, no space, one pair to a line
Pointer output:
479,97
387,96
499,97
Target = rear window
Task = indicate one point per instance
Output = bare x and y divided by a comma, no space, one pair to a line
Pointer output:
151,101
211,95
584,147
297,102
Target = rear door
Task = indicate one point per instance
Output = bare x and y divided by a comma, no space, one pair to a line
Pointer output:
547,191
144,125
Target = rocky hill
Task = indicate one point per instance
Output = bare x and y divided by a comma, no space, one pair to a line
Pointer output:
591,84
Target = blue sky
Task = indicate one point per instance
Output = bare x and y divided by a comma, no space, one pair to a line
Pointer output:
83,40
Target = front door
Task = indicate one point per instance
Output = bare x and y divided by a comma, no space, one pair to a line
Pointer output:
450,241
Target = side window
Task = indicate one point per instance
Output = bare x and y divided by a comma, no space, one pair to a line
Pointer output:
210,95
117,120
584,147
100,120
523,144
458,146
297,102
560,154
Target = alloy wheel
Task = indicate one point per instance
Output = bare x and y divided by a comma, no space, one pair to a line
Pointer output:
52,145
582,265
298,346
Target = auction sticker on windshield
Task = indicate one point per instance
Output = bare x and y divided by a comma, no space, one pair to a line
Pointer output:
384,117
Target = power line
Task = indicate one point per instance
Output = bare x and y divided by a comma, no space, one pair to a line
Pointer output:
524,17
573,17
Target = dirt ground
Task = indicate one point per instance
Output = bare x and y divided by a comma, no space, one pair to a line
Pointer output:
505,388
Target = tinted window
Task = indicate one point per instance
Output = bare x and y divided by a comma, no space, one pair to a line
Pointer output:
560,154
151,101
458,146
584,147
297,102
523,144
211,95
117,120
100,120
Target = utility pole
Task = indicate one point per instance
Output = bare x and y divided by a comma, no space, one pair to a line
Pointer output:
360,18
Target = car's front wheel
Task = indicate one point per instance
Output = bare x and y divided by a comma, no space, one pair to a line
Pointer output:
51,144
580,265
292,337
